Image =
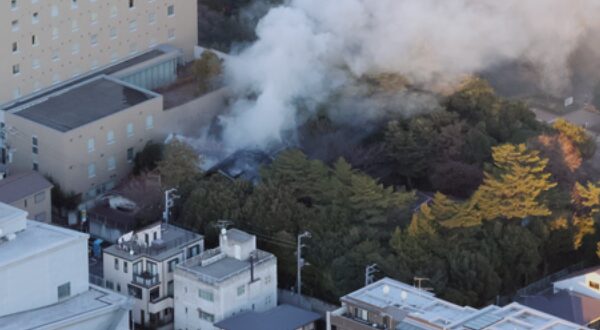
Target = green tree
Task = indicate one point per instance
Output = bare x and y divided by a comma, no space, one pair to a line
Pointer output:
148,158
206,70
180,164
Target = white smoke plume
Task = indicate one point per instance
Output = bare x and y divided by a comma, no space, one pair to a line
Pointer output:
306,49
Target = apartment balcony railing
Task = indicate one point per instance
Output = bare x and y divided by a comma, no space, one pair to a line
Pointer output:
146,279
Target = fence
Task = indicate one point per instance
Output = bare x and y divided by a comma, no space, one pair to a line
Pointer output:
546,282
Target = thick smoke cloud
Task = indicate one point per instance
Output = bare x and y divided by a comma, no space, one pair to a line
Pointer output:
307,49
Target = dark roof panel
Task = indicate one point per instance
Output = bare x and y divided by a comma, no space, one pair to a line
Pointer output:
84,104
18,186
282,317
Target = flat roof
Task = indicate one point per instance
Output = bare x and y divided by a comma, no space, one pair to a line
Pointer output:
84,103
86,304
282,317
110,70
223,266
174,239
568,305
19,186
34,240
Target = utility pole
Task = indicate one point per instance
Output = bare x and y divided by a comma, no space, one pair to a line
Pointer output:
370,270
300,260
169,202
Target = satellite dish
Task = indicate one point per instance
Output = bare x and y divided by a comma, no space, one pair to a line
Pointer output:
404,295
386,290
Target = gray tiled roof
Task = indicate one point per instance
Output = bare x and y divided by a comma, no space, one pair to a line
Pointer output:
19,186
282,317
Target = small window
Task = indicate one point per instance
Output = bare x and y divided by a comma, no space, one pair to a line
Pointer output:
110,137
118,287
113,11
35,64
206,316
54,10
113,32
170,288
171,34
172,264
116,264
55,55
134,291
75,48
129,155
34,40
110,285
91,145
40,217
74,26
129,130
125,266
241,290
595,285
206,295
15,47
149,122
55,33
132,25
91,170
94,39
13,4
16,69
35,18
36,166
152,18
111,163
94,17
39,197
131,4
15,24
64,290
16,93
171,10
73,4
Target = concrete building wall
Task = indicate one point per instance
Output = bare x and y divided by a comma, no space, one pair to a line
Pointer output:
66,157
58,40
38,205
260,296
33,282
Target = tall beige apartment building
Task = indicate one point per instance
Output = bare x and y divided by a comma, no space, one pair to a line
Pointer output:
44,43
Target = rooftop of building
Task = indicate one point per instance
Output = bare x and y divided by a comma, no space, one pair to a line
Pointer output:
214,266
92,302
568,305
282,317
34,240
173,240
19,186
112,69
84,103
418,309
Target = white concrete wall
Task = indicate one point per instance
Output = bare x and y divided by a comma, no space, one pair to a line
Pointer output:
260,295
580,284
33,282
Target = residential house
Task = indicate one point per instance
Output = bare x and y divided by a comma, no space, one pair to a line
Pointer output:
282,317
28,191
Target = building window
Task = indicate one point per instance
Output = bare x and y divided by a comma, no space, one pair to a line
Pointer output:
55,55
152,18
55,78
91,145
116,264
36,166
129,130
13,4
137,268
110,137
35,64
172,264
73,4
193,251
74,26
154,294
94,39
15,47
267,279
94,17
55,33
64,290
118,287
39,197
171,10
15,25
54,10
241,290
171,34
16,93
131,4
134,291
206,295
34,40
149,122
170,288
110,285
595,285
40,217
132,25
129,155
16,69
125,266
75,48
113,11
206,316
34,144
112,163
113,32
91,170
